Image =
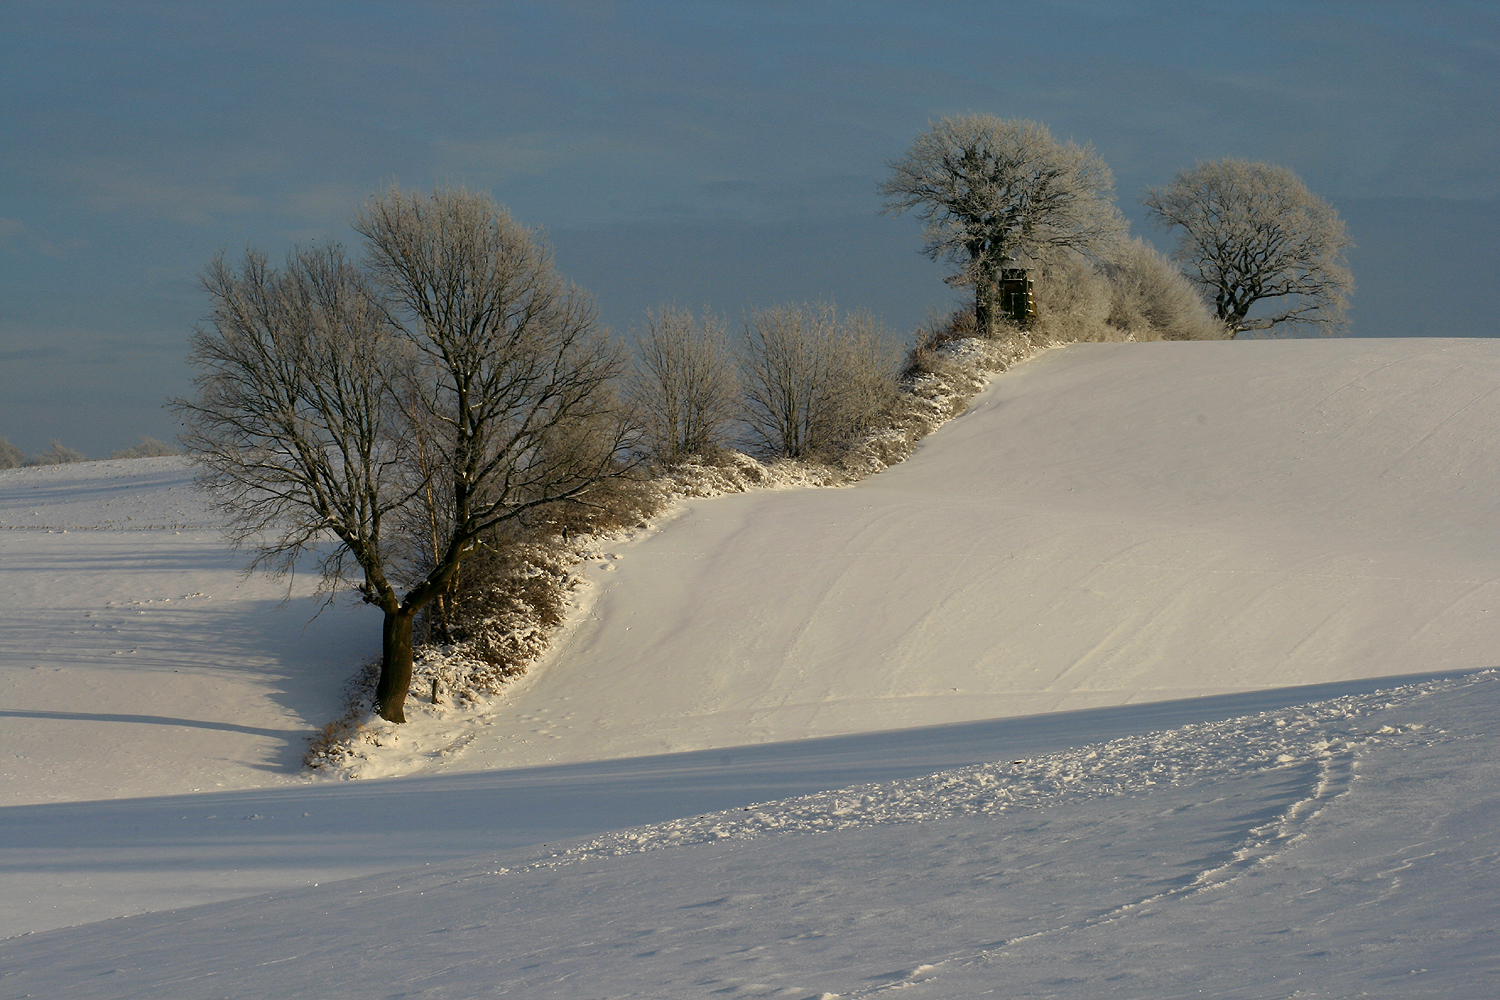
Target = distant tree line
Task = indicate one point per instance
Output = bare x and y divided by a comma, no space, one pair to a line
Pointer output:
58,453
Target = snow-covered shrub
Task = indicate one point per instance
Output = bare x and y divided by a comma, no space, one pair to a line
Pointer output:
1135,295
148,448
1073,302
928,354
513,595
1152,300
512,591
56,454
11,457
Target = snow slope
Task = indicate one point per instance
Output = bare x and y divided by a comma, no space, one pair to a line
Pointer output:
1156,544
1108,524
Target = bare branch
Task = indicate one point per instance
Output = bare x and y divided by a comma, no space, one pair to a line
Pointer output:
1253,235
683,387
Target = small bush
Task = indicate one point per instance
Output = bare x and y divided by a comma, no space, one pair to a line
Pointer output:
512,591
1136,295
1152,300
57,454
930,353
148,448
1072,302
11,457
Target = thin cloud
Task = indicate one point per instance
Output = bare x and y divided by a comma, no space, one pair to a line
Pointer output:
509,157
34,353
109,188
726,189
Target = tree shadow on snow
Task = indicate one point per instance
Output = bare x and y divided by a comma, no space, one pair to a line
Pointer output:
153,720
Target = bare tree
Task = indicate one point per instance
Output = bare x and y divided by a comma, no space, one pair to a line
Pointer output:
1251,233
11,457
513,377
293,423
458,383
148,448
997,194
683,386
811,380
57,453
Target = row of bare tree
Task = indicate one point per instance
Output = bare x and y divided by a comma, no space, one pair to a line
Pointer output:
801,381
58,453
417,403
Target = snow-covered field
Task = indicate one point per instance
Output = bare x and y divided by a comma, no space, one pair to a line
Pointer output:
1164,671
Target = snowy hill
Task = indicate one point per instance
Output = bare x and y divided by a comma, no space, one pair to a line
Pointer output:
1108,524
1095,603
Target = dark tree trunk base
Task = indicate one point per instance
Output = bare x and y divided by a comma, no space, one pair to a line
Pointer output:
395,665
986,308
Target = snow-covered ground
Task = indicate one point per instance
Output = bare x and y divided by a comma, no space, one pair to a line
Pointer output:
1164,671
135,658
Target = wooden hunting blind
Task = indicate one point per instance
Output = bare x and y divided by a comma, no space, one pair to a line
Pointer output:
1017,302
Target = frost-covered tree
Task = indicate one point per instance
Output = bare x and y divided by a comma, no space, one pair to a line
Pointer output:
317,381
811,379
148,448
1252,234
57,453
11,457
994,191
683,388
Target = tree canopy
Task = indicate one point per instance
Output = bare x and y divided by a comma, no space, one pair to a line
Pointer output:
994,191
1252,234
406,408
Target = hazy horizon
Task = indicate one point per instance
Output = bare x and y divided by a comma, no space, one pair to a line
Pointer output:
720,155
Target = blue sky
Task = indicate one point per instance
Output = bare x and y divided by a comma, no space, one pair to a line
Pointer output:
718,154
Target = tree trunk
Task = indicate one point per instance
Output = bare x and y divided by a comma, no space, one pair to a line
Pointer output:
395,665
1232,318
986,306
437,617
